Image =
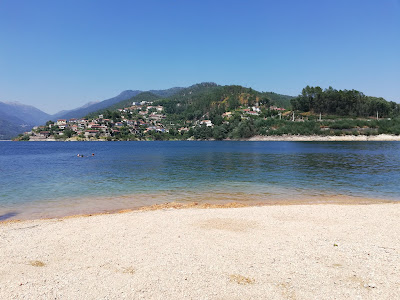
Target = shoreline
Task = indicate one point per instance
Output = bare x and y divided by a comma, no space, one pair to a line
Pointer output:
182,205
320,138
277,252
271,138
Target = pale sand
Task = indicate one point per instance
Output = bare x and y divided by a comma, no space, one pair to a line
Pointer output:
270,252
320,138
293,138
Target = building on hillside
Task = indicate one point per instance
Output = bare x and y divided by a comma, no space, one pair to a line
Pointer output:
156,117
252,113
61,122
276,108
44,134
183,129
98,127
227,114
92,124
208,123
91,133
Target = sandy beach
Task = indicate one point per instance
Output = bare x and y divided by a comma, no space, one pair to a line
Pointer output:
270,252
328,138
283,138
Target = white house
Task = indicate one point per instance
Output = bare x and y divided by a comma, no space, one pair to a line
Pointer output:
61,122
208,123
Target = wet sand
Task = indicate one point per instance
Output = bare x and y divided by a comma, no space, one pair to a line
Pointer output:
59,208
325,251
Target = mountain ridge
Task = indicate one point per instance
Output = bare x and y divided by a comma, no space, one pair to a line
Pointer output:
18,118
84,110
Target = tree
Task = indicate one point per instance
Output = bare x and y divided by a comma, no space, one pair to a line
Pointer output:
219,132
68,132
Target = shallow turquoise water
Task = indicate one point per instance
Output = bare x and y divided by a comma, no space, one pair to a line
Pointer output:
50,176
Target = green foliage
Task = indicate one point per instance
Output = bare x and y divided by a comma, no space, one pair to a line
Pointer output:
68,132
23,137
343,103
210,101
271,98
245,129
344,112
199,102
389,126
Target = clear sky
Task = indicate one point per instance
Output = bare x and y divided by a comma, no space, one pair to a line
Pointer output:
62,54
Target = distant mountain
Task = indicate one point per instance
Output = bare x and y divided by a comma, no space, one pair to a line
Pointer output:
99,106
145,96
28,114
167,93
9,130
16,118
64,112
87,109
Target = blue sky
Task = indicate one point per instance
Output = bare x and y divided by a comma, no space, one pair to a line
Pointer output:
62,54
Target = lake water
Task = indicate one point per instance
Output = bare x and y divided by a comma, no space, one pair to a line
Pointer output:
47,179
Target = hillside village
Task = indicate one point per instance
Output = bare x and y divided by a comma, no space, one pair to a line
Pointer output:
207,111
140,121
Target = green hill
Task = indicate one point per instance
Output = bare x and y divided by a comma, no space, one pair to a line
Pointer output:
211,99
210,111
204,98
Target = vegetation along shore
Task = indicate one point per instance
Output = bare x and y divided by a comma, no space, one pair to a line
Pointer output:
208,111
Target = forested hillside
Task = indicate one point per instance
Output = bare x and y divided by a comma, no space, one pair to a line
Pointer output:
210,111
201,99
350,103
213,100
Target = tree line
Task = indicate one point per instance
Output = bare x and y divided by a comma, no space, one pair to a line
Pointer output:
350,103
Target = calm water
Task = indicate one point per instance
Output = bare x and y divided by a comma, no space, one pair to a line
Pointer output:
48,179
